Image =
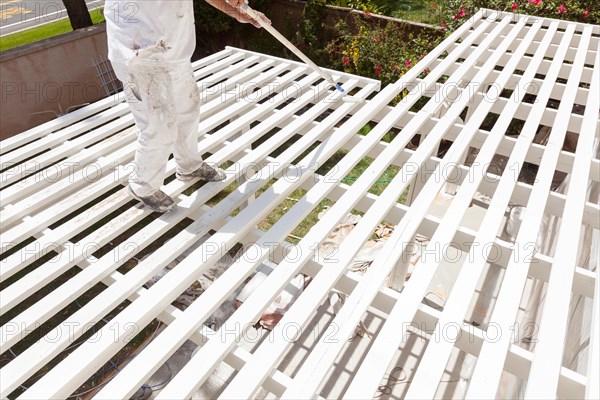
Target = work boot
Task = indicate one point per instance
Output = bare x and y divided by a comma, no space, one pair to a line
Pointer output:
205,172
159,201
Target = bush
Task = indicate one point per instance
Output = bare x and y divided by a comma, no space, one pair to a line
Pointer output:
452,13
372,6
384,53
212,25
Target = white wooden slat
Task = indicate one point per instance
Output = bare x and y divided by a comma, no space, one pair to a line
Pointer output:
471,338
188,228
256,304
488,186
55,138
547,362
343,75
58,207
32,353
12,159
307,380
15,293
276,383
562,24
14,142
487,374
592,390
63,187
586,76
189,234
80,178
39,164
584,280
158,351
413,292
238,356
31,252
531,87
565,162
559,87
562,42
37,181
24,187
23,138
525,109
37,313
455,308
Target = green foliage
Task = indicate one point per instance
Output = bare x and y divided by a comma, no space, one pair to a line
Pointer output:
210,20
372,6
452,13
44,31
384,53
212,25
413,10
309,37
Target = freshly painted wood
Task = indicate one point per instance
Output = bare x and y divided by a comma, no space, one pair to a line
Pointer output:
274,141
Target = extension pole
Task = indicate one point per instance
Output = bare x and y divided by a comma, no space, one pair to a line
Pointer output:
328,78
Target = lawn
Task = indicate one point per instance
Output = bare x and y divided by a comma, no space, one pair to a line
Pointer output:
413,10
307,223
44,31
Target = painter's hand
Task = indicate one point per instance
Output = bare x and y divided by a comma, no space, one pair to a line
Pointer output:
235,3
245,18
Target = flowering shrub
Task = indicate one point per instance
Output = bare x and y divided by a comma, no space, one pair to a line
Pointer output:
452,13
384,53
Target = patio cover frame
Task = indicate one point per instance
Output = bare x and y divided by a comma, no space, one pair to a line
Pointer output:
65,176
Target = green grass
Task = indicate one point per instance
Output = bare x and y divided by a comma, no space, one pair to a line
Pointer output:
413,10
312,218
44,31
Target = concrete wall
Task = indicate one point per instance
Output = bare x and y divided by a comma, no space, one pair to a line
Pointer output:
48,76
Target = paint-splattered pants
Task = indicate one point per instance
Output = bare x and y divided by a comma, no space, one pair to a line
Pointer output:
165,103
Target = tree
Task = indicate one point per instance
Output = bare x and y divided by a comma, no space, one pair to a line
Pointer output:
78,13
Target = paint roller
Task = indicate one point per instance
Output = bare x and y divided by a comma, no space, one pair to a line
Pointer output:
328,78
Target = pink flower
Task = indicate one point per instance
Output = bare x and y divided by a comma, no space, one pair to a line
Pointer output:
345,60
537,2
531,1
378,69
461,13
514,6
408,63
586,13
562,9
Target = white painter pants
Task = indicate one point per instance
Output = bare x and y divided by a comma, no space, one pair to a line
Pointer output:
165,103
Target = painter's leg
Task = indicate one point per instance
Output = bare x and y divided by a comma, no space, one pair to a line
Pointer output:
187,104
149,91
